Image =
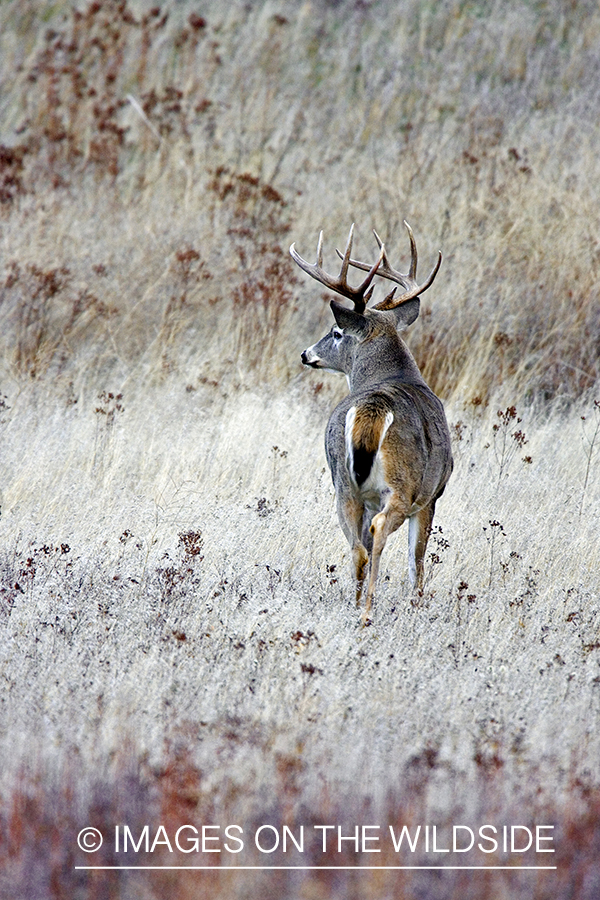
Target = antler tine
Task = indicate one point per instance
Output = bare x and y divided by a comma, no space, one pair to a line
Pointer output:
409,282
415,291
388,272
360,295
412,272
385,269
319,250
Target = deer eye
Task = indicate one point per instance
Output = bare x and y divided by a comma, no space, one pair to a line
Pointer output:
337,334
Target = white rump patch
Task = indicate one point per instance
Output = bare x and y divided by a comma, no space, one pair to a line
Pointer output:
350,417
389,418
375,483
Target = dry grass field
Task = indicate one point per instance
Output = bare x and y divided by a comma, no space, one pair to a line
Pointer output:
179,640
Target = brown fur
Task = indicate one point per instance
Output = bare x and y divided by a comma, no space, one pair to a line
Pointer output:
369,422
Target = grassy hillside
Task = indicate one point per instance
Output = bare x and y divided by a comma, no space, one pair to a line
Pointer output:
180,643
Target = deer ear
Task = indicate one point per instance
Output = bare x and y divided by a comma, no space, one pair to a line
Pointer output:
349,321
407,313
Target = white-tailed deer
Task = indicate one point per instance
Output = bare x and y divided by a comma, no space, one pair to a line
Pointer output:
387,443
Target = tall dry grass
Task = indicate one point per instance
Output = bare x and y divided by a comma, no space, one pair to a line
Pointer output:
179,641
476,122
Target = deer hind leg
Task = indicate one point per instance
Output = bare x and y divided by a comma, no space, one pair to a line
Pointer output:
382,525
419,529
361,561
351,513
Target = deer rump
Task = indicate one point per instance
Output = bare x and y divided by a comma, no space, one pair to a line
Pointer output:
385,439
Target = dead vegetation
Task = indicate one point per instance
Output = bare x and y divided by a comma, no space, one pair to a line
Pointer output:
144,111
178,644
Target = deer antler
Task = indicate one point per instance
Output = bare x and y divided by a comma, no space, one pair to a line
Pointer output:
360,295
408,281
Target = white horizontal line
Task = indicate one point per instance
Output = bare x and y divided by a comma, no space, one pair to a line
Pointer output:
312,868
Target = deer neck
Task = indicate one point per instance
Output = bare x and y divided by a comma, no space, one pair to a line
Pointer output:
383,360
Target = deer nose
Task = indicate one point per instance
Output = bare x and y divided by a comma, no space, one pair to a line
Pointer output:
310,358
